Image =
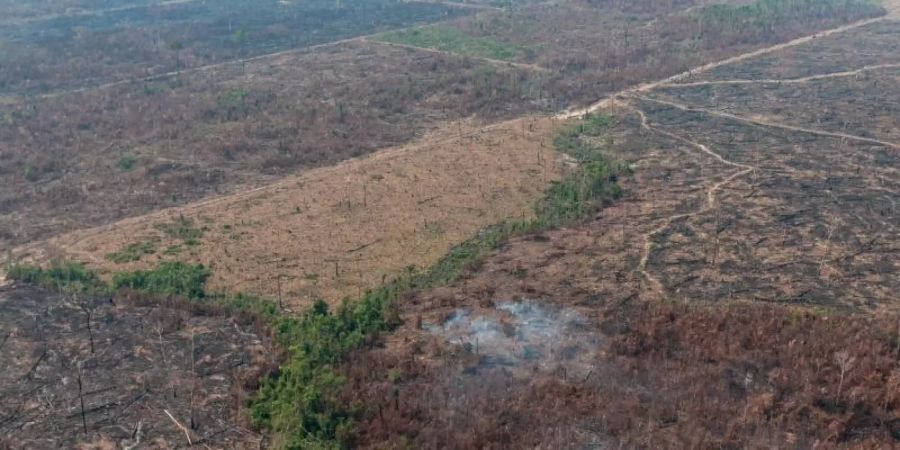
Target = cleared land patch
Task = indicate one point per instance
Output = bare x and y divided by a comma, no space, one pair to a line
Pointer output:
335,232
579,351
140,147
453,40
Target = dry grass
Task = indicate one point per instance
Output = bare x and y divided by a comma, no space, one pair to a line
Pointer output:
222,131
336,231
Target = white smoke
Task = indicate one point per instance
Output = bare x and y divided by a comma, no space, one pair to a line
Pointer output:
525,335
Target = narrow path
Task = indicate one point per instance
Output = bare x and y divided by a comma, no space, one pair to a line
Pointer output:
765,123
711,194
645,87
459,4
495,62
849,73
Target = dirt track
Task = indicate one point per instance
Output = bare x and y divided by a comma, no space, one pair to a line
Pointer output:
850,73
604,103
772,124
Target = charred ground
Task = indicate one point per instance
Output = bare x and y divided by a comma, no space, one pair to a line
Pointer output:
89,371
724,301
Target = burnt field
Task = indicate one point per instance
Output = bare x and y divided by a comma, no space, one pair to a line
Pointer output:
840,84
741,294
124,372
702,261
870,45
596,48
232,115
115,41
787,216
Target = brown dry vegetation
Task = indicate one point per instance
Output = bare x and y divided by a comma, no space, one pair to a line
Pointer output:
76,160
663,376
334,232
137,359
213,132
724,302
596,48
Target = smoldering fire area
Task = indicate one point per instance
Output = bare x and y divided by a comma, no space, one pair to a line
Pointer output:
525,337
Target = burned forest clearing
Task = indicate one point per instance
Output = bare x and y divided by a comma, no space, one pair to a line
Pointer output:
478,224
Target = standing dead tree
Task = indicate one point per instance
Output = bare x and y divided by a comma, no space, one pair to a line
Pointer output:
845,363
88,308
193,422
79,369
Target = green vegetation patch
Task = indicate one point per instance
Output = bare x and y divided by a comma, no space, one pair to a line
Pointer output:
182,229
133,252
583,192
453,40
127,163
68,277
167,279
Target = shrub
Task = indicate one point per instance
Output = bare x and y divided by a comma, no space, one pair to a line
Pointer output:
127,162
133,252
182,228
171,278
72,277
